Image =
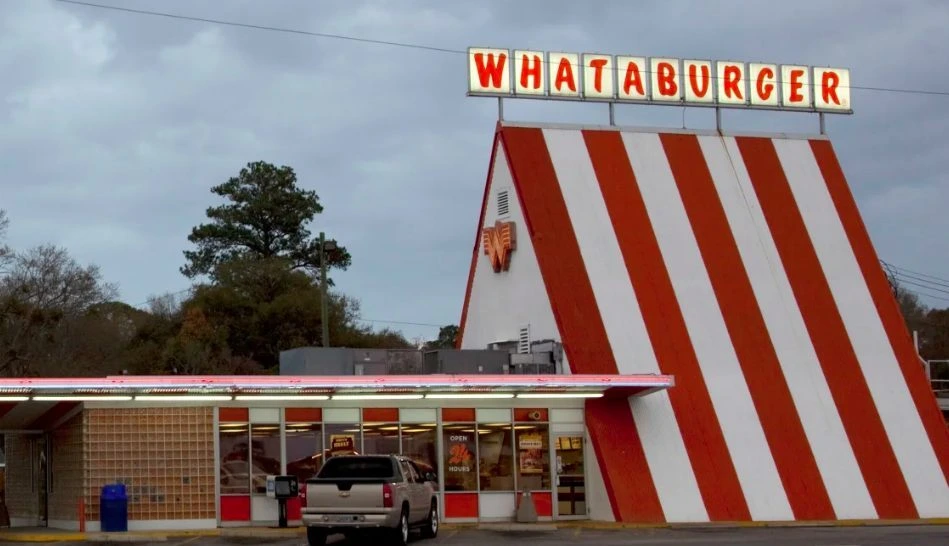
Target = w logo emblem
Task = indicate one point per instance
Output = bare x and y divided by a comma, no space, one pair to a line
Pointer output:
499,241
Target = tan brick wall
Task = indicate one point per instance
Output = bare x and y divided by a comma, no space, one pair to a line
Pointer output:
22,496
67,470
164,456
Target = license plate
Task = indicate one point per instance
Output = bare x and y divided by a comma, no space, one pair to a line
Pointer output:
340,519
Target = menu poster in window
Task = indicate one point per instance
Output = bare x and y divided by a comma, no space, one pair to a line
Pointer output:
531,453
460,454
342,444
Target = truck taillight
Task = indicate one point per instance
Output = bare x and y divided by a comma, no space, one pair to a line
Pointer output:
387,495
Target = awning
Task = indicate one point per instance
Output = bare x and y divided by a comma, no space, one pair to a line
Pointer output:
32,402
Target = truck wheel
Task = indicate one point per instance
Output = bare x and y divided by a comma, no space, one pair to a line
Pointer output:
315,537
401,532
431,525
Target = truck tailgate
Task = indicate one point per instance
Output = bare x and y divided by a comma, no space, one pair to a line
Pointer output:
340,496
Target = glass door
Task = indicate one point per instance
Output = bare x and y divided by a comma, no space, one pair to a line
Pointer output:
571,475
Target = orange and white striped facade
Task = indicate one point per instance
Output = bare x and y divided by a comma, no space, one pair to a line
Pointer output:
739,265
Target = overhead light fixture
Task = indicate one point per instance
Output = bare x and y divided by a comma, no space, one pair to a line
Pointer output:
183,398
281,397
81,398
14,398
377,396
467,395
560,395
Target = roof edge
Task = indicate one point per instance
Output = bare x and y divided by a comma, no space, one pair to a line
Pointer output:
656,129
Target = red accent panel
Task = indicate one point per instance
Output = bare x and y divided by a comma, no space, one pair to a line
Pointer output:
294,509
52,415
377,415
475,254
524,414
461,505
746,327
458,414
543,503
303,415
235,508
872,448
578,320
233,415
701,431
886,304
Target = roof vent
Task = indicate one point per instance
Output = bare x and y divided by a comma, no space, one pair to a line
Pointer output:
524,340
503,203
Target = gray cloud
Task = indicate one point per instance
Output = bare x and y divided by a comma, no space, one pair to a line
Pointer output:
115,125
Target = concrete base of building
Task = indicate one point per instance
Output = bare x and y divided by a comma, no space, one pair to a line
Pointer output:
161,525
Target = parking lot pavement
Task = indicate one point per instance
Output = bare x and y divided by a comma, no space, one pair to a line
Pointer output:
810,536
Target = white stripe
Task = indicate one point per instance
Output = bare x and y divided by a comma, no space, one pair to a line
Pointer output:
662,440
909,440
798,358
731,399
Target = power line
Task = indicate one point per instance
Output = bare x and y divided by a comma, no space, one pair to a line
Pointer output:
896,267
263,27
393,43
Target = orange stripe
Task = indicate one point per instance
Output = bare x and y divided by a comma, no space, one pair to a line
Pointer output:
477,245
626,474
871,446
762,371
691,402
886,304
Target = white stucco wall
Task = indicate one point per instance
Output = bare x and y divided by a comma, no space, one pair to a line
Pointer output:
503,303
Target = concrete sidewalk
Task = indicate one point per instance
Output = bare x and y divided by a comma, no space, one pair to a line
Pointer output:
53,535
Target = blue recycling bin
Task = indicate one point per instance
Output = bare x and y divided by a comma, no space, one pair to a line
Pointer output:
114,508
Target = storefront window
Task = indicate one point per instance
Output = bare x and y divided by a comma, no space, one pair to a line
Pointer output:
264,455
342,440
380,438
495,456
304,450
419,444
235,459
533,459
461,468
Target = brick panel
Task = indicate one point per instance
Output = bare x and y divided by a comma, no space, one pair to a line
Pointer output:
22,496
164,456
66,465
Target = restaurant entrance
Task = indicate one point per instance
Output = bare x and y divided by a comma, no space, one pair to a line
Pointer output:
570,472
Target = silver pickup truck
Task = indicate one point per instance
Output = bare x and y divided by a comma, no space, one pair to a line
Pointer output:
353,494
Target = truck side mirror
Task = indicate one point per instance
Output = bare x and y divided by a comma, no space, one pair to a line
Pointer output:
430,477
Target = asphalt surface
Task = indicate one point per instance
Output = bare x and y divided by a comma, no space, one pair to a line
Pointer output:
821,536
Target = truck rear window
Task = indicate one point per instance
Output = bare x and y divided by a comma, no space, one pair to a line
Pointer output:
362,467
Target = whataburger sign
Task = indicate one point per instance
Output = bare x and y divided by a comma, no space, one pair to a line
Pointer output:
656,80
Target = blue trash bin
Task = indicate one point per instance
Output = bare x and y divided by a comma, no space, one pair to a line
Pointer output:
113,509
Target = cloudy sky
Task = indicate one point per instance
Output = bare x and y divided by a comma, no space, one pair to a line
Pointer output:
114,125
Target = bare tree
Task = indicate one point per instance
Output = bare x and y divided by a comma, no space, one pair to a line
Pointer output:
5,251
45,300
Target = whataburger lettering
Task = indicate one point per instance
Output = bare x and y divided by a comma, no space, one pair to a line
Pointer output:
538,74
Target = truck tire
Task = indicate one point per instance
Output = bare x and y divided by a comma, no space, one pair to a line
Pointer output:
315,537
400,535
431,524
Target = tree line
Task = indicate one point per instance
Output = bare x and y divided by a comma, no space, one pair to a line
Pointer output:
255,271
